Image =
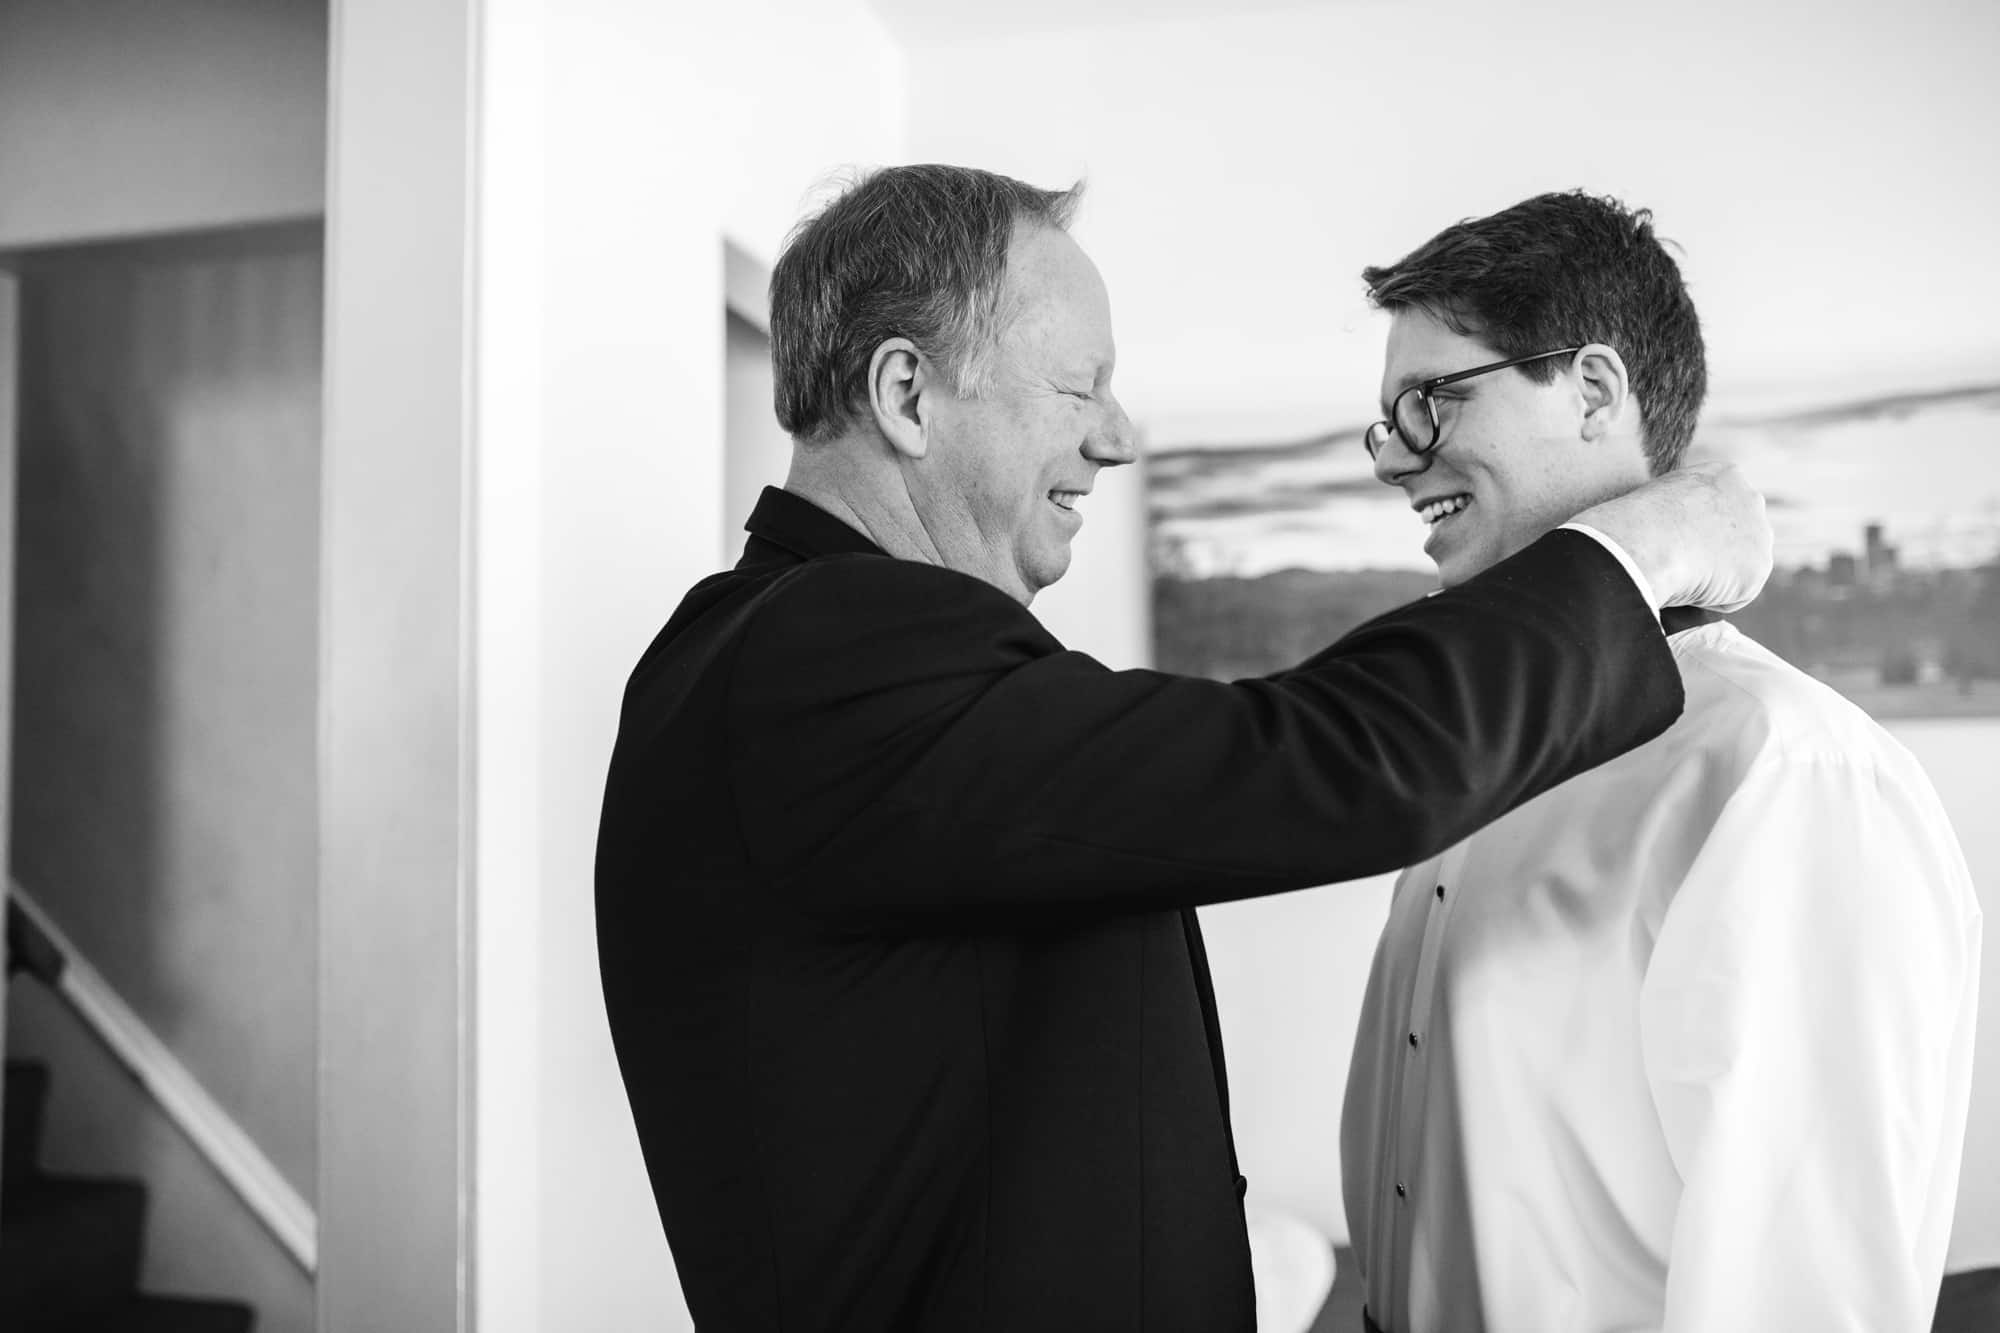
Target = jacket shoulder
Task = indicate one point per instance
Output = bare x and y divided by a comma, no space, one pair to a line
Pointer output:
874,581
880,607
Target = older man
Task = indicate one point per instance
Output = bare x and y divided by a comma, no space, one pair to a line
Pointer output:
1686,1043
893,891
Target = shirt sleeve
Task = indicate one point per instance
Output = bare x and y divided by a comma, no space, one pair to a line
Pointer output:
1807,1029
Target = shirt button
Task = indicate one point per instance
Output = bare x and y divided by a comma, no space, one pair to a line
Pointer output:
1440,893
1413,1039
1400,1191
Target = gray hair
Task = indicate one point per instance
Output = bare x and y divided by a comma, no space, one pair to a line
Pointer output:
915,252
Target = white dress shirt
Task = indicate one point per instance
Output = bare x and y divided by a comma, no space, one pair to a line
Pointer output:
1683,1044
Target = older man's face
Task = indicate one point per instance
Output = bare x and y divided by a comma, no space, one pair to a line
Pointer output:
1002,490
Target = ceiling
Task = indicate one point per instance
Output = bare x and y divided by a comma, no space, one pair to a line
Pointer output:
927,22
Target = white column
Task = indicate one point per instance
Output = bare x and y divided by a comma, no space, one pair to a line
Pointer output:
523,451
396,892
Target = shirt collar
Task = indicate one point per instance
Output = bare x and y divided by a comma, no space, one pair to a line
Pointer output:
783,523
1674,619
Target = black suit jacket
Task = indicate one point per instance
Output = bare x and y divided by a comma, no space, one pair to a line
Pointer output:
893,909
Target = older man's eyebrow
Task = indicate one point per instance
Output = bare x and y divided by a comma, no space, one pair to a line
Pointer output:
1091,370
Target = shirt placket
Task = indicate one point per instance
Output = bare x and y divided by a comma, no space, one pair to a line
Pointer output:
1413,1081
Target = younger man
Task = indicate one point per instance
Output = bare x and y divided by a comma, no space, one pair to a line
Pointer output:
1685,1043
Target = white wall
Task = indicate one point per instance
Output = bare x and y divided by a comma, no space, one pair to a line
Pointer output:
1827,169
623,142
167,666
1963,765
756,451
1834,206
168,575
120,117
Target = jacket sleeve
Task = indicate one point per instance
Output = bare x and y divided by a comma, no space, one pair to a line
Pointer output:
910,746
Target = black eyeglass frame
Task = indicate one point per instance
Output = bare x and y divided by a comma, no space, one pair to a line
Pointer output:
1423,388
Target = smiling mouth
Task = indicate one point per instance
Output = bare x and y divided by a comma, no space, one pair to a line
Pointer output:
1437,511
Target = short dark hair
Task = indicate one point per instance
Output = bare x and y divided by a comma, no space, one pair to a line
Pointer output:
1560,270
915,252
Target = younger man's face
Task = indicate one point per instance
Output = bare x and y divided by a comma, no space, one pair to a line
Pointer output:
1513,459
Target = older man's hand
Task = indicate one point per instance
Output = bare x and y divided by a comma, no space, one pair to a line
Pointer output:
1699,533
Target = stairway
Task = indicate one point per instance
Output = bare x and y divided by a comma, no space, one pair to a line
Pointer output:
70,1245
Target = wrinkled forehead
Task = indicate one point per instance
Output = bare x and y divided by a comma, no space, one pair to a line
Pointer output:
1053,297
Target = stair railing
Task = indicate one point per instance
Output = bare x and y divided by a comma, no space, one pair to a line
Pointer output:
37,947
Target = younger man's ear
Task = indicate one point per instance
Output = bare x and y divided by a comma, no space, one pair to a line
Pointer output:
898,377
1606,389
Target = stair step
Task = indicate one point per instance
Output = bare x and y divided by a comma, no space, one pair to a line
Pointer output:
172,1314
21,1140
69,1248
145,1314
1969,1302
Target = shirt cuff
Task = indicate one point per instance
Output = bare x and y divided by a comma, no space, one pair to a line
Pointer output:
1639,578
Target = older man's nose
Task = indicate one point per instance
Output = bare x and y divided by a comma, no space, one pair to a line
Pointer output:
1116,441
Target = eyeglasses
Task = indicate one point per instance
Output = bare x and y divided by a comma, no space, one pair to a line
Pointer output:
1416,418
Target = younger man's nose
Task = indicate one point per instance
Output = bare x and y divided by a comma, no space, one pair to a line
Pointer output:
1395,463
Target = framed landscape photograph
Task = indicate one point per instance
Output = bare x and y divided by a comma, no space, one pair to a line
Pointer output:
1886,507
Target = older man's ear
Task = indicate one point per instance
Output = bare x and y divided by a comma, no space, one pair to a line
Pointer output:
898,377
